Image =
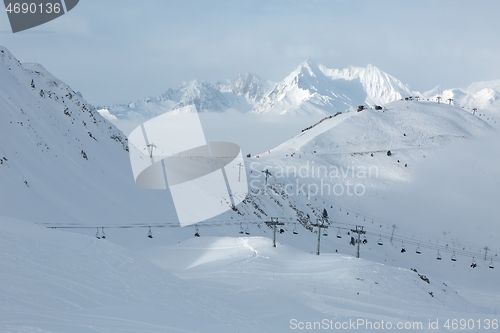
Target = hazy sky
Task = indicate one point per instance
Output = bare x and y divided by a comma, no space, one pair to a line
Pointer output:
114,51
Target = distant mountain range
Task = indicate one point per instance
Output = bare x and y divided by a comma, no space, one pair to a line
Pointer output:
309,89
480,95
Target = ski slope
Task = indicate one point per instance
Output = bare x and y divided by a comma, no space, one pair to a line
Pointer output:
55,281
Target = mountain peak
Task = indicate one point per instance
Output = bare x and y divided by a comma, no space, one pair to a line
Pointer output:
312,88
308,67
248,85
203,95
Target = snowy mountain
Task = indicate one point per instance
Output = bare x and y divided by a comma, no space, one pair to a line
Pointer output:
309,90
484,96
239,93
202,95
58,151
314,88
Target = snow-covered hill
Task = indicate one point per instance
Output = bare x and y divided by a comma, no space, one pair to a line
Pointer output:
58,151
54,281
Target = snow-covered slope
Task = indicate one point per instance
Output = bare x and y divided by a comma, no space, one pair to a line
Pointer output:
314,88
54,281
380,87
57,151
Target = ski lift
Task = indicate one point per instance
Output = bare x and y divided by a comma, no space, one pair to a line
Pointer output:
403,250
417,251
473,264
453,257
325,232
241,228
247,232
491,264
103,234
438,257
97,234
196,231
380,240
150,234
295,229
365,240
338,234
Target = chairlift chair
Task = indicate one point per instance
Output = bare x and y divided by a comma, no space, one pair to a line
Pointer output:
241,228
417,251
403,250
338,234
473,264
491,264
97,234
380,240
295,229
365,240
453,257
325,232
150,233
196,231
103,234
438,257
247,232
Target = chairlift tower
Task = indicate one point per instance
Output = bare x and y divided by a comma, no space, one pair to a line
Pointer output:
239,171
392,235
485,252
321,224
151,146
267,173
274,222
359,230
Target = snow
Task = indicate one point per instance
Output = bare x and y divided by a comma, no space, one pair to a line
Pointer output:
64,279
54,281
484,96
106,114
